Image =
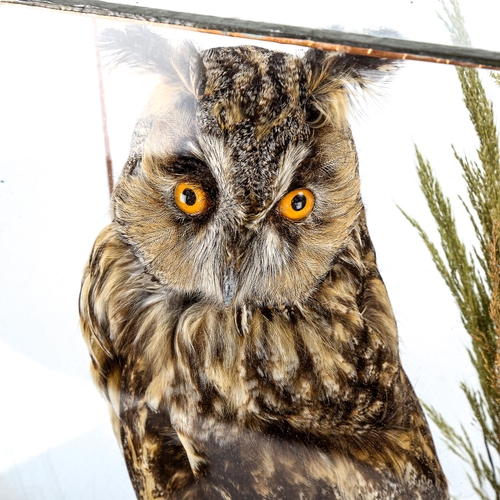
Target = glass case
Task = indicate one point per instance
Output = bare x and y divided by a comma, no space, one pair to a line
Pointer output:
67,118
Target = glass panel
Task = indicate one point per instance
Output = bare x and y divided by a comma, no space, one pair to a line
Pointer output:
55,437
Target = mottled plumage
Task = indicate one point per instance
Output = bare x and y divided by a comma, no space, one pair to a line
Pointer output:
246,354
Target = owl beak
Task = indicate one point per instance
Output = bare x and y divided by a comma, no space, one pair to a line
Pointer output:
229,285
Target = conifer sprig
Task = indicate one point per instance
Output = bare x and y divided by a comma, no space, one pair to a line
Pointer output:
472,272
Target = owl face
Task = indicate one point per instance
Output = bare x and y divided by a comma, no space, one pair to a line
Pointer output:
242,185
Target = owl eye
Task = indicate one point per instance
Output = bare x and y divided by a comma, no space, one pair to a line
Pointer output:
297,204
191,198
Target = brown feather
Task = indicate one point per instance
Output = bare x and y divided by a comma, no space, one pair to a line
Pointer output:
295,388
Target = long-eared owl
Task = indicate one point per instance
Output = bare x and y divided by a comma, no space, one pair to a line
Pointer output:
234,313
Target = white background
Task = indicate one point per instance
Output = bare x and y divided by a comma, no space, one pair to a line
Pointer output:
55,439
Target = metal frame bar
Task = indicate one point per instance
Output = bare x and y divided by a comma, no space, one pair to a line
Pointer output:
369,45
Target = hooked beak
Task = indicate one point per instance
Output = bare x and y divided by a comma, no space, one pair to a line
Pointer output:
229,285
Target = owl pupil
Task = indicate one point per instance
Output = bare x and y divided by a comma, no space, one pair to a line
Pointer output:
188,197
299,202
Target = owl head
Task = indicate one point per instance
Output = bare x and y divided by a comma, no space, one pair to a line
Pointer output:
242,182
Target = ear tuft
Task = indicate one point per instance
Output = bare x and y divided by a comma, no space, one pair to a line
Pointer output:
140,48
335,80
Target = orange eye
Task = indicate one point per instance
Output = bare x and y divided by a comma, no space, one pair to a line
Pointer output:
297,204
191,198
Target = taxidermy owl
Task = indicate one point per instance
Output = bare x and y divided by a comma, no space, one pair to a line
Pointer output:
233,309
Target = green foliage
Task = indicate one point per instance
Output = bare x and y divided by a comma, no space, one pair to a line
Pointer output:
472,273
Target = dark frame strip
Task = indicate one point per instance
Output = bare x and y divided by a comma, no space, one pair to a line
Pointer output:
104,115
361,44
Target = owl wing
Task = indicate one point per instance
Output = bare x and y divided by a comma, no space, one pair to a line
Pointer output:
156,459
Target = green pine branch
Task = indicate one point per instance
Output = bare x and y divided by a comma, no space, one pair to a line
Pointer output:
472,272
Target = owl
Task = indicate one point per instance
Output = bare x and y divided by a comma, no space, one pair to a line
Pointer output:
233,310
